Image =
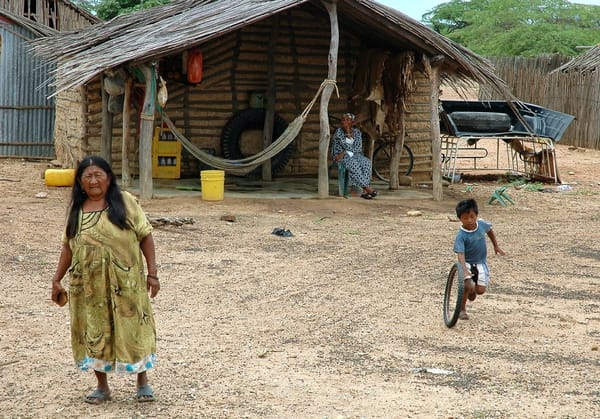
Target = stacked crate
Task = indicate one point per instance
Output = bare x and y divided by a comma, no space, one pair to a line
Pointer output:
166,155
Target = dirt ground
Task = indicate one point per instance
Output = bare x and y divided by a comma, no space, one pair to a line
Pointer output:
342,320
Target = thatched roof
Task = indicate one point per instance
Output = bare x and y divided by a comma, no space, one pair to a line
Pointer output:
588,61
35,28
165,30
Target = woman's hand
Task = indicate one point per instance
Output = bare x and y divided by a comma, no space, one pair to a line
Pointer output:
339,156
59,294
147,246
152,285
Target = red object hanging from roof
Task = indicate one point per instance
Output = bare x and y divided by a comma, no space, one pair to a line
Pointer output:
194,66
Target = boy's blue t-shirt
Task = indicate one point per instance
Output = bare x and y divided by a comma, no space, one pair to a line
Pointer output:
472,243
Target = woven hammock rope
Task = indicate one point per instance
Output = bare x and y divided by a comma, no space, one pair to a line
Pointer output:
247,164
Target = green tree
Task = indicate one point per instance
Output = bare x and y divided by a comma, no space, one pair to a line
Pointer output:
516,27
107,9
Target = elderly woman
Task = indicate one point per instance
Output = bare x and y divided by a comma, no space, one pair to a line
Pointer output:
347,149
112,325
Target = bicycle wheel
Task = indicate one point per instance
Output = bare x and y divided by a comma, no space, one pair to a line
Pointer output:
382,158
455,288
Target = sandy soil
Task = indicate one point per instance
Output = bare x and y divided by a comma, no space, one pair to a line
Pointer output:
342,320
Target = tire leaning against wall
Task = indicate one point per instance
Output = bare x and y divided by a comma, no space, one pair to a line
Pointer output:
253,119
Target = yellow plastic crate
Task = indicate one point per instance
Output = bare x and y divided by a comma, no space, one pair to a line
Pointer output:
166,155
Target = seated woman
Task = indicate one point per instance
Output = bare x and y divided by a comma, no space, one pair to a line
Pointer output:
347,149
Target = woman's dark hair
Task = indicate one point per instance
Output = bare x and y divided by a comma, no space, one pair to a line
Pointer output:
117,213
465,206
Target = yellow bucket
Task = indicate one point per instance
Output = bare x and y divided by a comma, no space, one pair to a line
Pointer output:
59,177
213,185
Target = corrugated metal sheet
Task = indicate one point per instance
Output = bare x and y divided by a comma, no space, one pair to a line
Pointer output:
26,115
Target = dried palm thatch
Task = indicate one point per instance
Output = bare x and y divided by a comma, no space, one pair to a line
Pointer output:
149,34
165,30
589,61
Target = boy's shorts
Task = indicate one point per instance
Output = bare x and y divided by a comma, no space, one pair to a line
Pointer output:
483,276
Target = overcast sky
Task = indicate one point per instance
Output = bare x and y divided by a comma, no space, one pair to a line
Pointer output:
417,8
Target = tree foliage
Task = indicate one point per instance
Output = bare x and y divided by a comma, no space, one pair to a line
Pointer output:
107,9
517,27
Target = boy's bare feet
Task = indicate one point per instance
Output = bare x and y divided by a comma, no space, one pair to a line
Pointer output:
463,315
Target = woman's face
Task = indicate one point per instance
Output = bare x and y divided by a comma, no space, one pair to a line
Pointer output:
95,182
346,123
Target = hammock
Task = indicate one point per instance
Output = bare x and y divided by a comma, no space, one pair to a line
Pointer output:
247,164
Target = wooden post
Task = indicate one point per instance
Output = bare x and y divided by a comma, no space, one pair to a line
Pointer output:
147,132
436,142
270,108
397,151
126,146
323,183
107,126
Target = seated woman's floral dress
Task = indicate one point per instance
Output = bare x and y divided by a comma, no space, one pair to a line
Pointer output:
355,162
112,325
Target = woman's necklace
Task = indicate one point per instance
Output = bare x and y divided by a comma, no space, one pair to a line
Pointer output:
92,206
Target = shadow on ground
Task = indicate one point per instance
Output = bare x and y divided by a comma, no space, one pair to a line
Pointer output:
293,188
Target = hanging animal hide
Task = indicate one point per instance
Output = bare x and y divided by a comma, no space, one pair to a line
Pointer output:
385,83
361,76
399,82
367,80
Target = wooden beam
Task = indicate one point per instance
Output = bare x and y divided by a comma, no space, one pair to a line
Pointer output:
126,146
323,182
107,126
436,142
147,132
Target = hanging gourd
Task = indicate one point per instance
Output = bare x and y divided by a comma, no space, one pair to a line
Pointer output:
194,67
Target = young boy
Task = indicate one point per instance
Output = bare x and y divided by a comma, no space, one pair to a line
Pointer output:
471,249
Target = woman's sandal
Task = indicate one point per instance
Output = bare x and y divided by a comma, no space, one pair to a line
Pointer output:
145,394
367,196
374,193
98,396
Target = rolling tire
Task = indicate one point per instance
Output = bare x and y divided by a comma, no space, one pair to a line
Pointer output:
481,121
253,119
453,295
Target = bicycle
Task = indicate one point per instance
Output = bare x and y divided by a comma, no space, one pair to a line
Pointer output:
382,157
455,290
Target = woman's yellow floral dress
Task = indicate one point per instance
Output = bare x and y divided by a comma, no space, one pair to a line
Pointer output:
112,326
